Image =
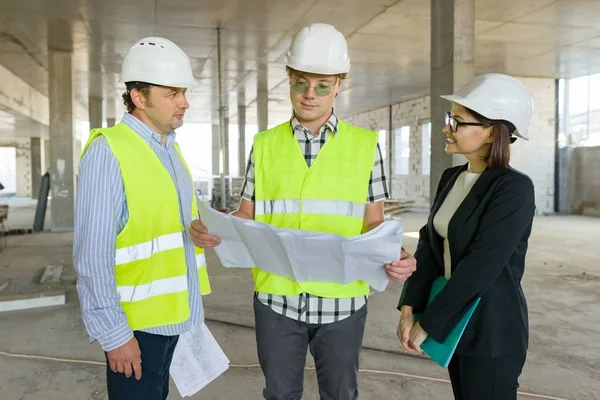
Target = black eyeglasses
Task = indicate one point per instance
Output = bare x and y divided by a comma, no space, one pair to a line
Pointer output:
454,124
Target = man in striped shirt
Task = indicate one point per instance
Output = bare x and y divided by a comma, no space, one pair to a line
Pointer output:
333,326
156,73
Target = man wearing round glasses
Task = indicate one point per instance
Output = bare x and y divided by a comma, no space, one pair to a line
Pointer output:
318,173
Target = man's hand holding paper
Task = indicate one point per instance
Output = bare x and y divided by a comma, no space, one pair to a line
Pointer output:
305,256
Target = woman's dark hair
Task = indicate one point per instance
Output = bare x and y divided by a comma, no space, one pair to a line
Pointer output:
500,152
141,86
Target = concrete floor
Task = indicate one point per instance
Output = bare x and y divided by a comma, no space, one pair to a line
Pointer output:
562,284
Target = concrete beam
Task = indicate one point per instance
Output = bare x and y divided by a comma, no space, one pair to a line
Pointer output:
20,98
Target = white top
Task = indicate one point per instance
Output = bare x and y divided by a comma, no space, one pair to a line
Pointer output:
455,197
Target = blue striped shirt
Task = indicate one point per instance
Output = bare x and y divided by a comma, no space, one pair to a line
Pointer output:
100,214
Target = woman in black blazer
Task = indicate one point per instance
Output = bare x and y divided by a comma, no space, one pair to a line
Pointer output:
476,236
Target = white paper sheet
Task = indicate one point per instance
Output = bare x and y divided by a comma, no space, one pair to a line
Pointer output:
305,256
197,361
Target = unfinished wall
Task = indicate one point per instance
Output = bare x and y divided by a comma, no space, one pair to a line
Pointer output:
534,157
23,158
414,186
579,189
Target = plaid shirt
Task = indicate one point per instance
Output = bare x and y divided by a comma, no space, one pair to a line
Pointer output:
305,307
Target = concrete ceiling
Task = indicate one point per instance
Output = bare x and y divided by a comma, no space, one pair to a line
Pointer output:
389,44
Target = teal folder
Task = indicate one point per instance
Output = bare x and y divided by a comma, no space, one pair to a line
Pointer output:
442,352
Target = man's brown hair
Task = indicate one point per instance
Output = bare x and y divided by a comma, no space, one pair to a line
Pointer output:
297,74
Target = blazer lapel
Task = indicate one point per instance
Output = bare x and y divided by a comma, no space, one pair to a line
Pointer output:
434,239
471,201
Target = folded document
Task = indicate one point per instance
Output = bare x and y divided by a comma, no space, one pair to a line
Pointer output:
197,361
442,352
305,256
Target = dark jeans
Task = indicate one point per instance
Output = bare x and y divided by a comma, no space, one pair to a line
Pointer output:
476,378
282,344
157,353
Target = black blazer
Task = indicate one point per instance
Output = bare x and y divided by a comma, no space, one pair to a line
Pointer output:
488,237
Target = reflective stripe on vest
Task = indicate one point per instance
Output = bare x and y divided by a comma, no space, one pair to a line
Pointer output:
147,249
284,206
158,287
130,294
293,206
200,260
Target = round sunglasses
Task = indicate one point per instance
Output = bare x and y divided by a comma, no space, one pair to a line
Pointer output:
321,89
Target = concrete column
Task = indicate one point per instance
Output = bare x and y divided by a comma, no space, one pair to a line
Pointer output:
241,140
452,62
36,165
262,97
77,147
215,150
226,147
45,156
95,112
111,109
62,129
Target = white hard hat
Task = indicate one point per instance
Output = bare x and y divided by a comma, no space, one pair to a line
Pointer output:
158,61
498,97
319,49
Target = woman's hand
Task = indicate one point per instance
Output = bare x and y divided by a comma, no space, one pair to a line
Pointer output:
405,325
417,337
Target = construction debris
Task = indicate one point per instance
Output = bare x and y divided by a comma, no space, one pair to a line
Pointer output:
32,300
52,274
394,208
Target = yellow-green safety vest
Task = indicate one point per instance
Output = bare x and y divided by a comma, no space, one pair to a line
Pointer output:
150,266
330,196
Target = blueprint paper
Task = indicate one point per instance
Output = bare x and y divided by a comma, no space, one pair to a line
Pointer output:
305,256
232,250
197,361
265,247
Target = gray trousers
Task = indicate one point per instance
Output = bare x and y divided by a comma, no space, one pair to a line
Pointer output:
282,344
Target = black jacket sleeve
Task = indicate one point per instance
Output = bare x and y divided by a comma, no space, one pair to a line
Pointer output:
415,292
508,214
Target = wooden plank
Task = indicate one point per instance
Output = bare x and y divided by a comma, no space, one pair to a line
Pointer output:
398,207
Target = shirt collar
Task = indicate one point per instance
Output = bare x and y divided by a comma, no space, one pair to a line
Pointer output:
331,124
144,130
